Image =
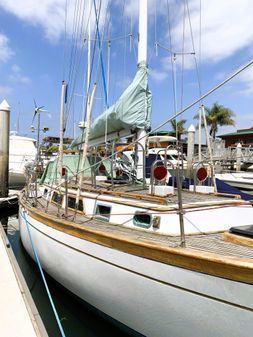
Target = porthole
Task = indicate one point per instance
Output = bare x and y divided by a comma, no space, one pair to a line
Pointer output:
142,219
57,198
103,212
72,204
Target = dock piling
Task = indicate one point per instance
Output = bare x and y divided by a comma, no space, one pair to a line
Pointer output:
4,148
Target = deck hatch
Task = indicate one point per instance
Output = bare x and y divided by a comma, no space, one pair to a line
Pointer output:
243,230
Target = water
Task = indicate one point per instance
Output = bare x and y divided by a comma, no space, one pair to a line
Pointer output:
78,319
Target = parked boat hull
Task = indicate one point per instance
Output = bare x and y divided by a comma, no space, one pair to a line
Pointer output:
242,181
153,298
16,179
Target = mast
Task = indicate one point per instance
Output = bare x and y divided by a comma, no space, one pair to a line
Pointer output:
142,59
60,165
88,58
143,32
209,147
38,139
85,147
200,126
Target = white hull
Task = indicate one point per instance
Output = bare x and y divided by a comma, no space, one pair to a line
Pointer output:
240,185
243,181
22,152
153,298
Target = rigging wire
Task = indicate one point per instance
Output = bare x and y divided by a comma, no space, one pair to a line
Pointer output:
101,39
194,50
100,53
73,81
200,62
125,24
200,99
171,56
183,55
89,84
65,39
200,41
73,45
208,93
131,32
79,33
156,46
74,53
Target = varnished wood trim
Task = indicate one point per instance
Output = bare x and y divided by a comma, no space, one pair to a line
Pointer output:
216,265
101,191
236,196
238,239
157,207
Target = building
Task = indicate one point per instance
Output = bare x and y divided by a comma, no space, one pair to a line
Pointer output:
243,136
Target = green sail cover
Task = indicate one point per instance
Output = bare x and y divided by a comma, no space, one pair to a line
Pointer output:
72,163
132,111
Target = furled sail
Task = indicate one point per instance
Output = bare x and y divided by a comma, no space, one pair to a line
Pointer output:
132,111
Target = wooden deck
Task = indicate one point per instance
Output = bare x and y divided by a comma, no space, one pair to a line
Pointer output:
138,193
212,243
207,253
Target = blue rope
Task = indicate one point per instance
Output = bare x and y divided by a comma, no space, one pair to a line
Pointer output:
43,277
101,57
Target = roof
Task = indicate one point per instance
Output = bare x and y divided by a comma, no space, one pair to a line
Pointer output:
56,140
159,133
162,138
237,133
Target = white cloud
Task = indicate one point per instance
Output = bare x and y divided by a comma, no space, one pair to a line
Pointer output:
226,28
157,75
245,82
46,13
17,76
5,50
5,91
123,83
50,15
132,7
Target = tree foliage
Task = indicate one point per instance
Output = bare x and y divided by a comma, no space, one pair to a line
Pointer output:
216,116
178,128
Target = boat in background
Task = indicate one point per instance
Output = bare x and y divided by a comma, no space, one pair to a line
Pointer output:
22,153
240,180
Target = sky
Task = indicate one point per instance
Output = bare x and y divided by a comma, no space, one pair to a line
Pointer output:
45,42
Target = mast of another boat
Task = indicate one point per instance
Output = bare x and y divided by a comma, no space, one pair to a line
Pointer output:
142,58
85,146
60,163
89,106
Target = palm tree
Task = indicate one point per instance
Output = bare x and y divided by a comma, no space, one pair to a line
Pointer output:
178,128
218,115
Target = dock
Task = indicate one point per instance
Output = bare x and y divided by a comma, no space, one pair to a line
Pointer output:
19,315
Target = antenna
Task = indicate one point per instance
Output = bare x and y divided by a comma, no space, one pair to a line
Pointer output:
18,118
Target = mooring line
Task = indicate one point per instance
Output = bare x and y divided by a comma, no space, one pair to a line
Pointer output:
43,276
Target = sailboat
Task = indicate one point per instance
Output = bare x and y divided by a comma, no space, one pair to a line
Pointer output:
158,259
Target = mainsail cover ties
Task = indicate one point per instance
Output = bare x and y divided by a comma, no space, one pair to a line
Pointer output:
132,111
